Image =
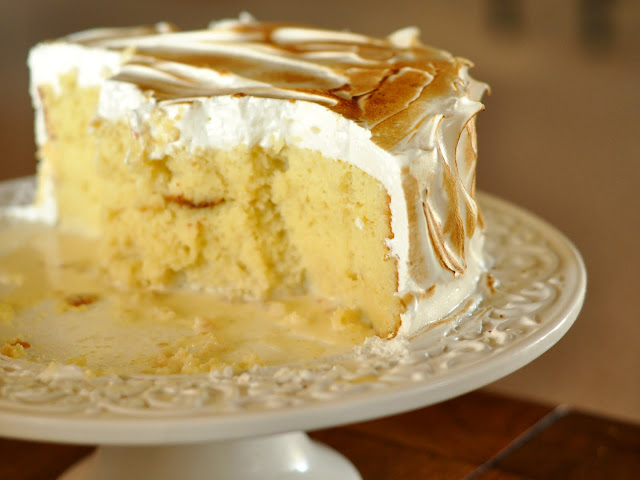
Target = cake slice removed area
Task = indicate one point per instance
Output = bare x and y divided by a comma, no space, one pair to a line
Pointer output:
263,161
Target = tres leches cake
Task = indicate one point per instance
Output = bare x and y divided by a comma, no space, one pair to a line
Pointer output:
264,160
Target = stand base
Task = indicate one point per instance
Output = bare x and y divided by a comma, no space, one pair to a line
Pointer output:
284,457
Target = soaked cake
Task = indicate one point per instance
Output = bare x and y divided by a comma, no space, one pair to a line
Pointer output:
266,160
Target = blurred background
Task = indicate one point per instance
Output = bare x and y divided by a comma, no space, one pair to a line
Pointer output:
560,136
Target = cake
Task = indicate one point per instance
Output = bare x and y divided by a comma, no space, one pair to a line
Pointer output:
263,160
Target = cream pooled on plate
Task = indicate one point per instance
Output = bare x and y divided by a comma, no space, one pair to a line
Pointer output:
309,110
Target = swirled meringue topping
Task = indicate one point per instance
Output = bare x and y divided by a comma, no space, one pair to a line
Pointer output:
383,85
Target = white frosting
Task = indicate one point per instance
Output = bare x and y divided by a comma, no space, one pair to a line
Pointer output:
223,122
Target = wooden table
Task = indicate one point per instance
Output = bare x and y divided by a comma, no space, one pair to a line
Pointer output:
478,436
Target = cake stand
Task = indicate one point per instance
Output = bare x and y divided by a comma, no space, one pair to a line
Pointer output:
251,425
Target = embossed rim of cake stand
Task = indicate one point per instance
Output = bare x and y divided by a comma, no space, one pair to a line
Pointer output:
467,353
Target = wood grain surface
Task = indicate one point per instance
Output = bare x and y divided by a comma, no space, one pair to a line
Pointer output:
478,436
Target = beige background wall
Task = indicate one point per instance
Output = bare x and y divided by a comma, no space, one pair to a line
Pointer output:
560,136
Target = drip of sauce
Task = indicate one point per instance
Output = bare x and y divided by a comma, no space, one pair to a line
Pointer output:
56,306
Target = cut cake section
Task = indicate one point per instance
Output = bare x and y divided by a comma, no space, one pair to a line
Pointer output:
264,160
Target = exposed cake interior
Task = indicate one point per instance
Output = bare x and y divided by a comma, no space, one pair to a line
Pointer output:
250,222
70,153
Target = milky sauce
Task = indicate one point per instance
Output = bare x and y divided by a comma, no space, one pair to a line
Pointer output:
56,306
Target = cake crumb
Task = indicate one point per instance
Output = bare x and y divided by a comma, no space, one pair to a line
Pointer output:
78,301
14,348
81,299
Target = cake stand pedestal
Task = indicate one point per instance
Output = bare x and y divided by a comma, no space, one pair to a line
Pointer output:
287,456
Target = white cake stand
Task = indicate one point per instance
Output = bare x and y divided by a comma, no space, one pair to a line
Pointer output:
250,426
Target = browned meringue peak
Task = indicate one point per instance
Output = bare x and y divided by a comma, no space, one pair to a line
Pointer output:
381,84
97,36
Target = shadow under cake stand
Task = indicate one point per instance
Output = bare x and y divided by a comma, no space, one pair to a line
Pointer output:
251,426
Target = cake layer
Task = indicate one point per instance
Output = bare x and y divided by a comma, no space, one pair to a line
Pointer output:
390,113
